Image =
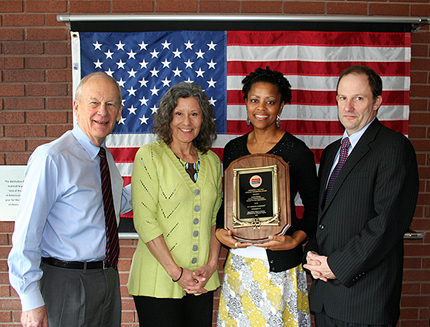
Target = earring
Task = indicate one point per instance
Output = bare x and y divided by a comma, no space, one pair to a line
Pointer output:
278,121
248,122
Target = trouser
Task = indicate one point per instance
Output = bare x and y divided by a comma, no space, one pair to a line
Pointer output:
191,310
81,297
323,320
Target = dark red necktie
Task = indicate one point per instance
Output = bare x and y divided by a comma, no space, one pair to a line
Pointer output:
112,242
342,158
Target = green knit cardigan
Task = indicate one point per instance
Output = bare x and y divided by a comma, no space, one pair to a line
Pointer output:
167,202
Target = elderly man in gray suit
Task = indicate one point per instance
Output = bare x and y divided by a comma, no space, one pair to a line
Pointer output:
368,193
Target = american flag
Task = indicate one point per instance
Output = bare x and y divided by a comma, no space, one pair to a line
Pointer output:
146,64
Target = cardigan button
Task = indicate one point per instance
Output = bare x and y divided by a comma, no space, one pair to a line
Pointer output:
194,260
196,191
197,208
195,247
321,226
196,233
196,221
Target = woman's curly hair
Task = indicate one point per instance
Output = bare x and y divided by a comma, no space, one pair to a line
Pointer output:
268,76
169,102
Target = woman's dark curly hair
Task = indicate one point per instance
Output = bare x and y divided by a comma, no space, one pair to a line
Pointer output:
169,102
268,76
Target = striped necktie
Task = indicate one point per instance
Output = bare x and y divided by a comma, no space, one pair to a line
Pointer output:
112,242
342,158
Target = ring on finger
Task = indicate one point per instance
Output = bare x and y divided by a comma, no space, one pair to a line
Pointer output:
236,244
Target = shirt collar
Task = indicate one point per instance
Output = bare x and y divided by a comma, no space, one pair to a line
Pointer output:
354,138
86,143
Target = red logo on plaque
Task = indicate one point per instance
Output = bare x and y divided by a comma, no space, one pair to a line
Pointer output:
255,181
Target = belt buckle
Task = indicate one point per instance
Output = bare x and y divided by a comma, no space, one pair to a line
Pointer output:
105,264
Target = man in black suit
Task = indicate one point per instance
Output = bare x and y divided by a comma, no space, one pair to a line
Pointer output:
356,254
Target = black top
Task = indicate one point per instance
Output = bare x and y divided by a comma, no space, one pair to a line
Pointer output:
303,179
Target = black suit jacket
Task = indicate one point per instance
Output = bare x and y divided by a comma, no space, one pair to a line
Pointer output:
361,227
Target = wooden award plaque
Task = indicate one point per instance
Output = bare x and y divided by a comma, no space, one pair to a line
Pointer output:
257,197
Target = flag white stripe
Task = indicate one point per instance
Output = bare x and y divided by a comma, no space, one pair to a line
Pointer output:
325,83
137,140
129,140
318,53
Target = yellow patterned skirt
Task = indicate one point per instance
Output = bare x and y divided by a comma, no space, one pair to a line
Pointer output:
252,296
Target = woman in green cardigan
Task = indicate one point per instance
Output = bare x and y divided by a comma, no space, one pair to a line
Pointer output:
176,189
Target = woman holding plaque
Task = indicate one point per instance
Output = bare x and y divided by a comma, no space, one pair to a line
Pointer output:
265,284
176,187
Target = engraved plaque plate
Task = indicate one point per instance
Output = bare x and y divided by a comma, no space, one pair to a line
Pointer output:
257,197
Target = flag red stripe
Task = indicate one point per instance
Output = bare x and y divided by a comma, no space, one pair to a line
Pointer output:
312,127
218,151
300,127
299,211
319,38
313,68
124,155
317,154
295,127
323,98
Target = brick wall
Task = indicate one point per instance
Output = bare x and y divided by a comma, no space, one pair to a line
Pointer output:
35,107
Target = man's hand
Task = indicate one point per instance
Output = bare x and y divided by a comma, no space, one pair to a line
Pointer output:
318,266
35,318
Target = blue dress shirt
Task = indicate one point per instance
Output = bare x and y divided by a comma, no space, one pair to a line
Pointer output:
61,211
353,139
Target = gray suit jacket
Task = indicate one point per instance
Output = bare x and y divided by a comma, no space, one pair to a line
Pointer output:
361,227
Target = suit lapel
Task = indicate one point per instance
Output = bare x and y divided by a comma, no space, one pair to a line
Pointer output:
324,172
359,151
